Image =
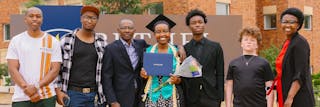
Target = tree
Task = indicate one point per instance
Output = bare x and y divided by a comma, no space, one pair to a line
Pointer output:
119,6
33,3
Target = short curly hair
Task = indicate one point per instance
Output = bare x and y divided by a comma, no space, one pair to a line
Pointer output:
253,32
195,12
295,12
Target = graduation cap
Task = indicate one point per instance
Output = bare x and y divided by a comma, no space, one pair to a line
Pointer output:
160,18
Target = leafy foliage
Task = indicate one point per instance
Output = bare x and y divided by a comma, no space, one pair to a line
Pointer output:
119,6
316,87
271,54
316,79
32,3
3,70
7,81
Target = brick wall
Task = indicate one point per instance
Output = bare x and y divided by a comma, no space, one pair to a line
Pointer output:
209,8
246,8
274,36
7,8
313,35
182,7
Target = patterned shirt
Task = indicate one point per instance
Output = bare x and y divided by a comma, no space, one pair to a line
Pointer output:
67,46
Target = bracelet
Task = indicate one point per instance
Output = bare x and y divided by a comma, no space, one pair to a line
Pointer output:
267,88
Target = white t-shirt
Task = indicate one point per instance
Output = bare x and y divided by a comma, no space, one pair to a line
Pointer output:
29,52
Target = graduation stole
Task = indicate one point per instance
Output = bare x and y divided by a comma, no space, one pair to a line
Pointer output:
45,91
149,82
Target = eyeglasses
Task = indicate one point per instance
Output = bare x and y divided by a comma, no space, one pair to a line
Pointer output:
159,32
289,21
90,18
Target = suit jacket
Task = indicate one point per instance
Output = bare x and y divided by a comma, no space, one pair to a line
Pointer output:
296,66
212,80
118,75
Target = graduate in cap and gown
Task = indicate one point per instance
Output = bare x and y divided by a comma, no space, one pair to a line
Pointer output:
162,91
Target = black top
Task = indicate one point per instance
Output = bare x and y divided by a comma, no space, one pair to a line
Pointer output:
84,62
249,74
212,81
296,66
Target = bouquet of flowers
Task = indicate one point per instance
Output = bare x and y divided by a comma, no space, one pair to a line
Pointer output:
189,68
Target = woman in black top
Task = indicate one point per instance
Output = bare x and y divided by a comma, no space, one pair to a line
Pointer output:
293,80
249,75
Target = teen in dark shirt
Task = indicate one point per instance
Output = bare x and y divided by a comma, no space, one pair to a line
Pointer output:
249,76
208,90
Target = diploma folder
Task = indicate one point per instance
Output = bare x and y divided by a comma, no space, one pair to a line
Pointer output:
158,64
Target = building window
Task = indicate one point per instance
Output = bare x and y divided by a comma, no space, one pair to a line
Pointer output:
307,22
6,32
270,21
222,9
156,8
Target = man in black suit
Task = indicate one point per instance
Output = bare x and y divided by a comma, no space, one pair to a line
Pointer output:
208,90
121,67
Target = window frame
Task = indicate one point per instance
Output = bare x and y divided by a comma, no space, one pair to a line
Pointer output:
265,22
310,22
155,3
227,7
4,29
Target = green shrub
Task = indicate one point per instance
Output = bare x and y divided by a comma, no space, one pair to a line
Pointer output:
3,70
8,81
271,55
316,79
316,87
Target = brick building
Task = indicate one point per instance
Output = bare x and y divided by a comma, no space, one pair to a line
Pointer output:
262,13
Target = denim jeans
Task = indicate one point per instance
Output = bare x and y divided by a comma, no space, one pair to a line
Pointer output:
78,99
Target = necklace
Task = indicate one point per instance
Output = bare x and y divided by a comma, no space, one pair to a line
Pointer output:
247,61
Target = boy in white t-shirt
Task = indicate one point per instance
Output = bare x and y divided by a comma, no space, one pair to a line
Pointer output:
34,59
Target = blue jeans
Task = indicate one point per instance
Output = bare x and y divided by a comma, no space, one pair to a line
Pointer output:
78,99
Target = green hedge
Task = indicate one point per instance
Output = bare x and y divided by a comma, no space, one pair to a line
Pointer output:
316,88
271,54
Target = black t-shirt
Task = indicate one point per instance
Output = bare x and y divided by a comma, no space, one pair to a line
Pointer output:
249,80
84,62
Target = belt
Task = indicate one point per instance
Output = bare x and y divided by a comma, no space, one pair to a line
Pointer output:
82,90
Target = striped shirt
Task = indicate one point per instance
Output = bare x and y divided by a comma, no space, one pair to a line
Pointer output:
67,46
35,56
